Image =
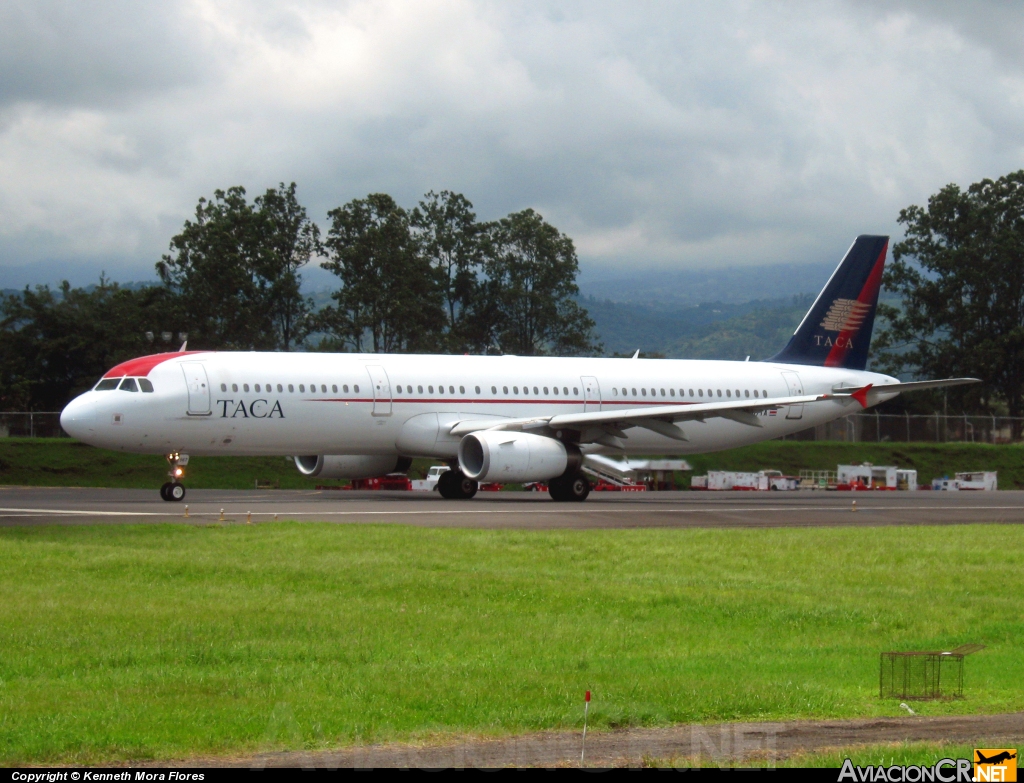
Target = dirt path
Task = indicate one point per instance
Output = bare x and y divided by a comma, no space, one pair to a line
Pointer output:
720,743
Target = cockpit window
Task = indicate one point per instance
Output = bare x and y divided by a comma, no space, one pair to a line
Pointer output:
107,384
145,384
128,384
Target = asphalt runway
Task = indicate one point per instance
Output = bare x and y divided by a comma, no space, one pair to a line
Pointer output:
27,506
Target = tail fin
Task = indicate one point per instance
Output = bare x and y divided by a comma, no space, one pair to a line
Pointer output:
836,331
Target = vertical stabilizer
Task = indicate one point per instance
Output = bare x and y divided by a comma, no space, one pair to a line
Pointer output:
836,331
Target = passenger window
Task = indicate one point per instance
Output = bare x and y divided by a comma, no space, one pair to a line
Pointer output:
634,392
257,387
691,392
662,392
700,392
494,390
344,388
643,392
504,389
106,384
334,388
419,388
654,392
398,389
477,389
737,392
526,390
323,388
291,388
440,389
565,390
755,392
764,393
462,390
555,390
355,388
245,387
280,388
128,384
719,392
576,391
451,390
671,392
234,387
145,385
545,389
727,393
746,392
535,390
615,392
302,387
515,390
223,387
624,392
430,389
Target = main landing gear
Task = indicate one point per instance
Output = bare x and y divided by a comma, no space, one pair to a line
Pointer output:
565,489
453,485
174,490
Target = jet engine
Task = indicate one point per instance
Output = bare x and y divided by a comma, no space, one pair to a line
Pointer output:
515,456
350,466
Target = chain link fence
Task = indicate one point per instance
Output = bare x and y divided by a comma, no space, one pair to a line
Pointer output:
855,428
34,424
905,428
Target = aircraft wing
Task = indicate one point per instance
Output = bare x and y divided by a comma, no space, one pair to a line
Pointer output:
600,426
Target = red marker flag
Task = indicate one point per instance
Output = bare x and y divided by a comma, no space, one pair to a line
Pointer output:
587,697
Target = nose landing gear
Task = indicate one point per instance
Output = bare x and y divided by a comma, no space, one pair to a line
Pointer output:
174,490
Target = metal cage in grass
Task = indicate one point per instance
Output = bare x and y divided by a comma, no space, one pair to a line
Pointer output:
923,675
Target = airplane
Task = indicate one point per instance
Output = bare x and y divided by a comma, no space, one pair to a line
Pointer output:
491,418
996,759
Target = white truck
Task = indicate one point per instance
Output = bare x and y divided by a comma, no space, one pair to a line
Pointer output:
429,484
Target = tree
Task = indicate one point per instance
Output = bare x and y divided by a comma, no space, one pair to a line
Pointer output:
56,344
289,240
236,269
530,303
449,237
960,273
390,292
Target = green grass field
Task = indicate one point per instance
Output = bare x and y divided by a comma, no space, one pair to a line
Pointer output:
63,462
133,642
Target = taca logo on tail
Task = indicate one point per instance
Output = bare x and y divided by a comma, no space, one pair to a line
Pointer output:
836,331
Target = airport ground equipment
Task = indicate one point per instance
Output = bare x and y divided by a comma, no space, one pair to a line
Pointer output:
922,675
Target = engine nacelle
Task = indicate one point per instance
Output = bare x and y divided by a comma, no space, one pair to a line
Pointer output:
515,456
350,466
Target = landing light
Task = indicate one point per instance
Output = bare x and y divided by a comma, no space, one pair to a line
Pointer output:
178,472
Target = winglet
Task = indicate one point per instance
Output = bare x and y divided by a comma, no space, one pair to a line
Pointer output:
861,395
636,355
184,345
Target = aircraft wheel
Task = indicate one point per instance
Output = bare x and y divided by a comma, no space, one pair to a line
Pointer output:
164,491
175,491
558,490
453,485
577,489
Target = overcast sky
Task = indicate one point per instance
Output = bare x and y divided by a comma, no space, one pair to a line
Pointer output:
655,134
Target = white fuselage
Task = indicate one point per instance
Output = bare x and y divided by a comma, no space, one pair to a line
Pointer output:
236,403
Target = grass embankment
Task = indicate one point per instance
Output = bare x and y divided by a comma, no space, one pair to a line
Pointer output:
129,642
63,462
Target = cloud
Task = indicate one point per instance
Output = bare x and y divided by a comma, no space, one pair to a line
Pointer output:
656,134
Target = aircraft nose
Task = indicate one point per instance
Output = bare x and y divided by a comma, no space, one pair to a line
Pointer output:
78,418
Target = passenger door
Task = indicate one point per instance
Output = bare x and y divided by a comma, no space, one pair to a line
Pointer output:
381,387
198,388
591,394
796,388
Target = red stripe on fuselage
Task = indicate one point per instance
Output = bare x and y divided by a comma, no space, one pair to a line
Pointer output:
869,296
143,365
